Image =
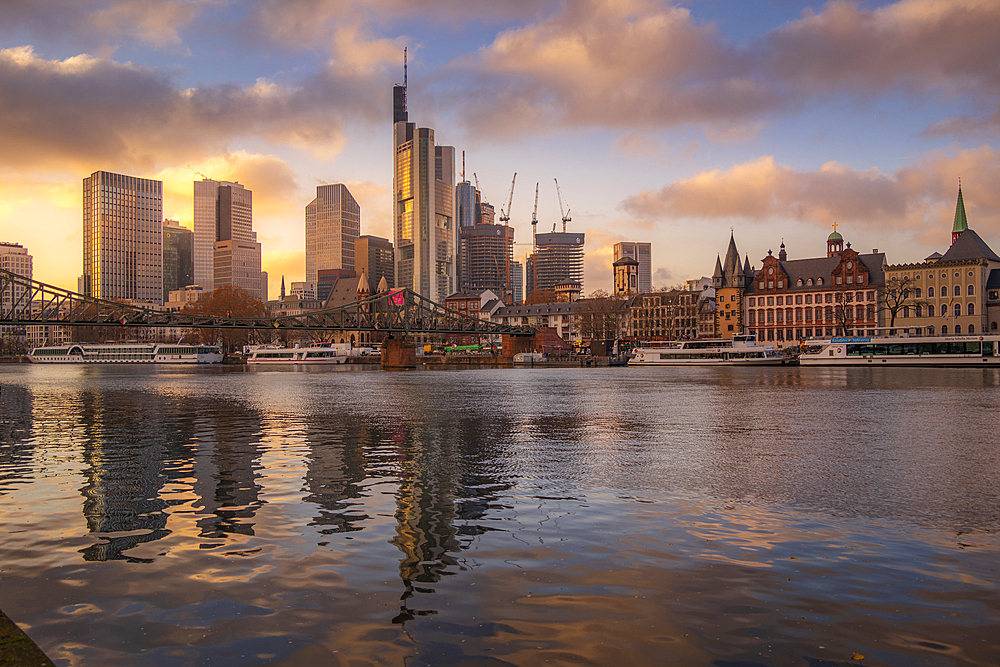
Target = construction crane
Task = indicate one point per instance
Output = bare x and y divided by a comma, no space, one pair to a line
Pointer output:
565,216
505,215
474,176
534,221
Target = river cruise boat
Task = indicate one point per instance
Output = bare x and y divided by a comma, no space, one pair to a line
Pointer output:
321,354
126,353
740,351
903,351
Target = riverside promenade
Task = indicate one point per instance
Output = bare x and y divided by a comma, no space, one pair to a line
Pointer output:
17,649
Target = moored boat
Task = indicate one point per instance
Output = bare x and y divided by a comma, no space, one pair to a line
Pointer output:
742,350
902,350
126,353
319,354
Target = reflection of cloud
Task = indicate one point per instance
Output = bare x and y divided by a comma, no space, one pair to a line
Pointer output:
762,190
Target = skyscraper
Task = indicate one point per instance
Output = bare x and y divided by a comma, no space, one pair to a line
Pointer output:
374,257
178,257
333,223
485,254
424,226
14,258
558,257
223,211
122,237
642,253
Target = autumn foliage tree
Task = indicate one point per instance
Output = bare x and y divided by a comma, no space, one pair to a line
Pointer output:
229,302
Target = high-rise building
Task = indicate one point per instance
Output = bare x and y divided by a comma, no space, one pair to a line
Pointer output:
122,237
424,226
517,281
485,255
642,253
468,202
333,223
558,257
487,214
178,256
14,258
223,211
374,257
235,251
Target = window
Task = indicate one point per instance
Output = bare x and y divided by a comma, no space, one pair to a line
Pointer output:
930,292
809,281
781,284
770,300
753,317
916,310
972,308
809,315
871,296
916,292
781,301
840,280
753,301
828,298
762,285
770,284
781,315
732,297
906,311
798,283
972,329
798,298
819,281
798,315
850,279
958,290
972,290
809,298
958,310
930,308
944,329
861,279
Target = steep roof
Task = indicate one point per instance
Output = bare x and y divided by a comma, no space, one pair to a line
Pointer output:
822,267
718,267
969,246
961,221
732,264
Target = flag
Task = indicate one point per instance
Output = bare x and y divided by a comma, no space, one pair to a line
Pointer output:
397,298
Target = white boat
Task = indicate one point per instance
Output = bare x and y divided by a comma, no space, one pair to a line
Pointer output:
126,353
740,351
902,350
320,354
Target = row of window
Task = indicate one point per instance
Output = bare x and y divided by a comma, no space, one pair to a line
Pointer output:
779,316
956,310
808,298
957,291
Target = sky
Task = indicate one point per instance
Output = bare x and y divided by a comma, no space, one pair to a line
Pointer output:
674,123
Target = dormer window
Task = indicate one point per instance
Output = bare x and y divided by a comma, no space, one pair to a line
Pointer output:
798,283
809,282
819,281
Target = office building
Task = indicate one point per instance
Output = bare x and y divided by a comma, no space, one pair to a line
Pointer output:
15,258
178,256
485,255
333,224
123,237
374,257
517,281
558,257
467,202
223,211
642,253
424,225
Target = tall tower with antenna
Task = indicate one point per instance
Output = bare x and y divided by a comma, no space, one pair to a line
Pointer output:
399,97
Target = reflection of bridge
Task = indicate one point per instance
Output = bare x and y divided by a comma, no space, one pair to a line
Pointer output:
25,302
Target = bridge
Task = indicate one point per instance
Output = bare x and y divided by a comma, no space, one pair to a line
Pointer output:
398,313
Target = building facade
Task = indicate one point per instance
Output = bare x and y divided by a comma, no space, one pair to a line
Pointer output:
425,229
626,276
223,211
954,293
558,257
374,258
333,224
122,237
669,315
14,258
730,282
642,253
486,253
178,257
838,295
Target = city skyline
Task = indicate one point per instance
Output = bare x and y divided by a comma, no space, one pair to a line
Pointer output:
771,120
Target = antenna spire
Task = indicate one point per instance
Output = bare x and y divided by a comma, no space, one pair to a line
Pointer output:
404,78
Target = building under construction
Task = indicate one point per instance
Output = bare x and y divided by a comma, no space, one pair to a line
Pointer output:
486,253
558,257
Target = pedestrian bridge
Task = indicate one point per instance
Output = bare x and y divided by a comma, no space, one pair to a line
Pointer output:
399,313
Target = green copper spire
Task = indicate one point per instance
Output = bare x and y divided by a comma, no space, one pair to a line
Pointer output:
961,222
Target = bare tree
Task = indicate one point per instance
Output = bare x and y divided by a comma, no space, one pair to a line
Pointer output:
602,316
898,294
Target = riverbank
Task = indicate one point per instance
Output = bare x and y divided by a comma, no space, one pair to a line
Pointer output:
17,649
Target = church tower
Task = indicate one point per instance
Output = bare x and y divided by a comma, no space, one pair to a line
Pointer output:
834,243
961,222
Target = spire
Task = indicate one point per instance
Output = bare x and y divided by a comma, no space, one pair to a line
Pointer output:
782,255
718,267
363,284
961,221
383,286
747,269
732,264
282,287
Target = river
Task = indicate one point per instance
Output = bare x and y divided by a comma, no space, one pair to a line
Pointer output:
637,516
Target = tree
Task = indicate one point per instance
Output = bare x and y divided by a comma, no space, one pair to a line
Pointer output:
540,296
602,316
229,301
896,295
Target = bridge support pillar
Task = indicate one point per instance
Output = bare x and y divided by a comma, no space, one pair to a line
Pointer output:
397,354
517,344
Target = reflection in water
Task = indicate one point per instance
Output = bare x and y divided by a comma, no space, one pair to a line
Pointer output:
715,516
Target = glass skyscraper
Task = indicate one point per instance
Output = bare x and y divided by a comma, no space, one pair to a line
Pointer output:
333,224
122,237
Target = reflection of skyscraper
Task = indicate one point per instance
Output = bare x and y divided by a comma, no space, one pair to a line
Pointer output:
122,237
336,469
333,223
425,231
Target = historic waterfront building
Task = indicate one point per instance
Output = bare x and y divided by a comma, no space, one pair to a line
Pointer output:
669,315
123,238
792,300
626,276
954,293
730,281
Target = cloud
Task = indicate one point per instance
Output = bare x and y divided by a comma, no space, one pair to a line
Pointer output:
84,113
761,191
988,125
572,69
102,23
